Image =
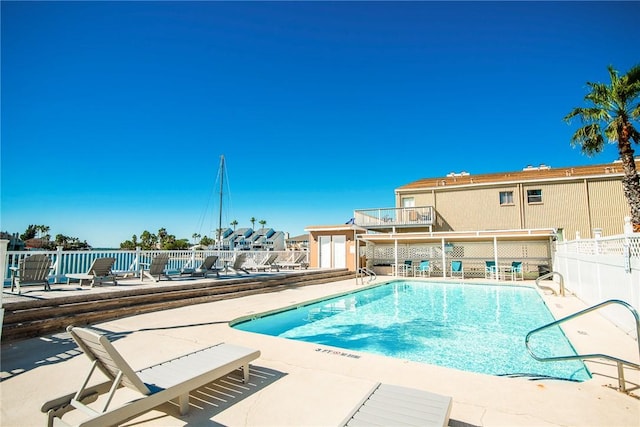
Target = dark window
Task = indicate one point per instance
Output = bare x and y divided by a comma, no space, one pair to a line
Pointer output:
534,196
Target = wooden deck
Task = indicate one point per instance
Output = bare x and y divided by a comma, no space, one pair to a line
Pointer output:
41,313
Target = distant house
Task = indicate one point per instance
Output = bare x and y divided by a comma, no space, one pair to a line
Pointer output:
298,243
15,243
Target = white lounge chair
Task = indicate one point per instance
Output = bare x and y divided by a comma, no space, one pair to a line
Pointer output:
98,272
391,405
157,384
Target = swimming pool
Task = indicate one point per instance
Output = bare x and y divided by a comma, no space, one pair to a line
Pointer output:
471,327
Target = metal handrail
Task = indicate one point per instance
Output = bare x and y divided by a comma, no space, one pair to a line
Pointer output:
619,362
544,276
366,272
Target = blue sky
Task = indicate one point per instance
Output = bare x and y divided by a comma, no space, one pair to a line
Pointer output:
115,114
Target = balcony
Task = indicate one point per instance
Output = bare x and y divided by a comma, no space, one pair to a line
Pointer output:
386,219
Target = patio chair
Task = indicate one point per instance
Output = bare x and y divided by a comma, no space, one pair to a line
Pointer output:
98,272
153,386
298,261
406,268
268,263
388,404
238,264
32,270
423,268
156,269
516,271
490,270
207,267
457,269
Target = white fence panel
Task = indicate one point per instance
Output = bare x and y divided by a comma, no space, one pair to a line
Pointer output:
596,270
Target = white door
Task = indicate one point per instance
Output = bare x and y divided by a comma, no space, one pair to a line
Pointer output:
325,252
408,202
339,251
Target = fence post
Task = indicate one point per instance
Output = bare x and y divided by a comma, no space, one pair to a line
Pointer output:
57,265
628,230
597,235
136,261
4,243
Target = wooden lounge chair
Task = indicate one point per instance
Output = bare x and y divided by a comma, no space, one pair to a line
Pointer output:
268,263
208,266
157,384
395,405
32,270
238,264
156,269
98,272
298,261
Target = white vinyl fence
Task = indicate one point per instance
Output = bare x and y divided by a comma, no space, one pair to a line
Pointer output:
127,261
600,269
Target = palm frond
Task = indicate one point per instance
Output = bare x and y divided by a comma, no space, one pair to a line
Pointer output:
587,115
589,138
633,75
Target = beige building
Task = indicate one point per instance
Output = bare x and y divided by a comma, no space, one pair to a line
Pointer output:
500,217
572,199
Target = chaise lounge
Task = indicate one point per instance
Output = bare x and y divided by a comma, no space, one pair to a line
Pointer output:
156,269
157,384
391,405
207,267
98,272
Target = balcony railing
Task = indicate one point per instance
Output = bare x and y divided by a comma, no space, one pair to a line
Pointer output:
395,217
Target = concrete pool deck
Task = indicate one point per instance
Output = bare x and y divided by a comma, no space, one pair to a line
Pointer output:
302,384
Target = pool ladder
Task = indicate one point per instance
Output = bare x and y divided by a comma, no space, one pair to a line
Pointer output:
620,362
365,272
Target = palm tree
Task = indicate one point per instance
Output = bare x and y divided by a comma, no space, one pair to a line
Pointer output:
195,237
253,222
233,224
612,108
262,222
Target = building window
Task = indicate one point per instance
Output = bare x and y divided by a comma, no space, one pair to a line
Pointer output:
534,196
506,198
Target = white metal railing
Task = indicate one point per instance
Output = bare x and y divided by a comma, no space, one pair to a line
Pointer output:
129,261
389,217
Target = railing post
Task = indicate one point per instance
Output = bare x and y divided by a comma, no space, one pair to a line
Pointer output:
193,257
628,230
136,261
3,261
622,386
57,265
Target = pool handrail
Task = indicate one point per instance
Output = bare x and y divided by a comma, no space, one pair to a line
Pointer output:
364,271
550,274
619,362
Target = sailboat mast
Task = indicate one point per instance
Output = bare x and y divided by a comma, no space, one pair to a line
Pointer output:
220,213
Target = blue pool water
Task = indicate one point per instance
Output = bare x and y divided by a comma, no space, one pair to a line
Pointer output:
478,328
